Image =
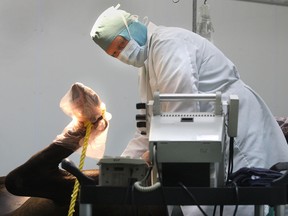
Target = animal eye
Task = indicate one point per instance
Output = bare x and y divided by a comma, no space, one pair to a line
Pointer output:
114,54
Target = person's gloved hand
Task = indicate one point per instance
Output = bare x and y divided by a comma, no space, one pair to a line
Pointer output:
146,157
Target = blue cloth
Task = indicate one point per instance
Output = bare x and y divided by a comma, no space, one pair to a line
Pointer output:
254,176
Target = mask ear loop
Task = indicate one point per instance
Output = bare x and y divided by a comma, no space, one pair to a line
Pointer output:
117,6
145,21
126,24
123,18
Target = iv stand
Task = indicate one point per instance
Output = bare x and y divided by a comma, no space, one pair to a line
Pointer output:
194,14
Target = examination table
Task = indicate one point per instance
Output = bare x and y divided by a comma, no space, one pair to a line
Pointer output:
15,205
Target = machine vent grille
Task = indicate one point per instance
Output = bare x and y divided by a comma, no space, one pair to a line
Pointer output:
188,115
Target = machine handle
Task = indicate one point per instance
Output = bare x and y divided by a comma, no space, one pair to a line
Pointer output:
179,97
70,167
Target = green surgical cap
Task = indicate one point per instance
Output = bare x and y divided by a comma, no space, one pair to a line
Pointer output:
108,25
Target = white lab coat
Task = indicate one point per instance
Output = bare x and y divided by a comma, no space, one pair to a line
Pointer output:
180,61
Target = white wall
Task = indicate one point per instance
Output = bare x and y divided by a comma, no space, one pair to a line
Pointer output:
45,47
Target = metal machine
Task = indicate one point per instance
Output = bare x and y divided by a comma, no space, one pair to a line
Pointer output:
189,147
121,171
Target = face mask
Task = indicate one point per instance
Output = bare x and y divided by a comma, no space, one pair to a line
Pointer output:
137,31
133,54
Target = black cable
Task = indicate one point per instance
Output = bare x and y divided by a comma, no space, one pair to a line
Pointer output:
214,210
156,163
192,197
230,159
229,172
221,210
159,177
147,174
133,206
131,188
237,197
231,153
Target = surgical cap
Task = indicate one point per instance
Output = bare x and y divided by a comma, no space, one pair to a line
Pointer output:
108,25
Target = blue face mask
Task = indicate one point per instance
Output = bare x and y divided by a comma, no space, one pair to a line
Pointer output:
135,52
137,31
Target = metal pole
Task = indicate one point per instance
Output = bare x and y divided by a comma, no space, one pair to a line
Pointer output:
259,210
279,210
194,15
85,209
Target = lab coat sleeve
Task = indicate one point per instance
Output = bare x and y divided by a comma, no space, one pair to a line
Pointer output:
173,69
137,146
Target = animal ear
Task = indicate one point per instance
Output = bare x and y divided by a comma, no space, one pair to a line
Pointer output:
77,93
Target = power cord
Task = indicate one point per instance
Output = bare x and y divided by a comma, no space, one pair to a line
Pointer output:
230,160
237,197
138,184
159,176
192,197
153,187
